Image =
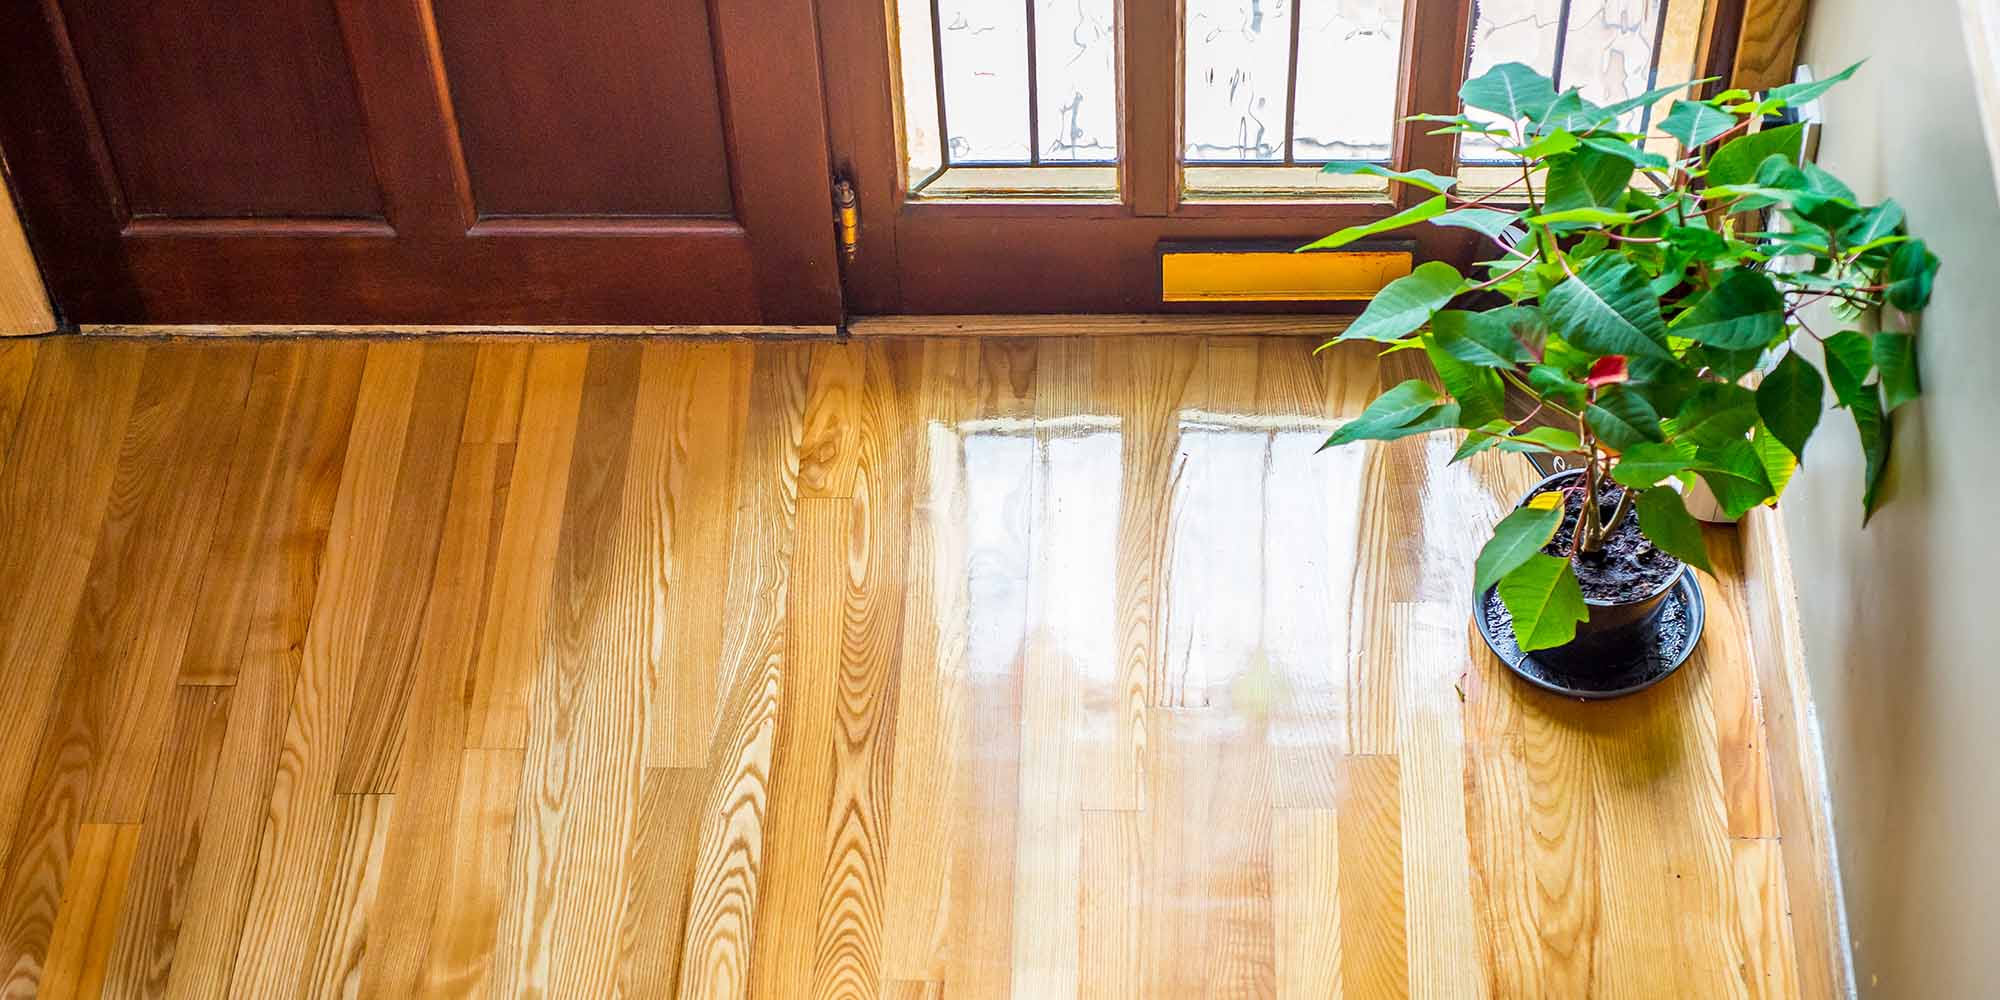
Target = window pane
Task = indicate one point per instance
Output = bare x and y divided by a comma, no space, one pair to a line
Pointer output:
1504,31
1349,55
985,79
1609,54
1076,81
1238,62
922,146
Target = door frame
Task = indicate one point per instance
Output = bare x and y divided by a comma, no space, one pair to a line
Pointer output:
941,258
430,259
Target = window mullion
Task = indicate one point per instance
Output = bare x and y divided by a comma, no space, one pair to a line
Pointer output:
1433,69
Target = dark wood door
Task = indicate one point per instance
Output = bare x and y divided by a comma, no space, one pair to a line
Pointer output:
423,161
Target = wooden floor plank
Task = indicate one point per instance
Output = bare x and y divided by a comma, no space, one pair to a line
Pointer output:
898,668
283,494
660,876
516,610
926,782
723,909
427,822
158,902
87,920
108,722
54,493
705,412
299,835
348,896
581,779
17,368
465,928
848,960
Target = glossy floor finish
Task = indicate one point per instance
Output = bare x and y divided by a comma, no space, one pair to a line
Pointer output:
905,668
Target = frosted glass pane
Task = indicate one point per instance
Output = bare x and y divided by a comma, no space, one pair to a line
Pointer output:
1504,31
1076,80
922,146
1238,67
1609,54
985,56
1349,54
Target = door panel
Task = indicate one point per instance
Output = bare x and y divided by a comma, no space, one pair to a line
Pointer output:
370,161
175,119
633,83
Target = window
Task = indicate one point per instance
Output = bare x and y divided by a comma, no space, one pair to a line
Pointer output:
994,89
1020,98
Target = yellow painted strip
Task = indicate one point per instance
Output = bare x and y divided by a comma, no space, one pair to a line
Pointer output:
1277,276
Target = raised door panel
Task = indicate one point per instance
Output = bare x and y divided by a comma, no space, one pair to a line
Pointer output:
616,113
223,111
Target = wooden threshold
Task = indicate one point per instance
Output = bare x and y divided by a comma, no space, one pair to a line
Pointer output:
483,332
1096,325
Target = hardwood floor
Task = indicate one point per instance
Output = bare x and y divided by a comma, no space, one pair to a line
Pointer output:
897,668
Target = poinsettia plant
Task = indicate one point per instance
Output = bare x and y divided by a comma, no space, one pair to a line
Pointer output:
1647,309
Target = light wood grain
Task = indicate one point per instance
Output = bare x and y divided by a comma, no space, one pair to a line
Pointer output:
24,303
93,894
1767,49
949,667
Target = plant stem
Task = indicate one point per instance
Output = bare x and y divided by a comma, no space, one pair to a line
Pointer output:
1618,516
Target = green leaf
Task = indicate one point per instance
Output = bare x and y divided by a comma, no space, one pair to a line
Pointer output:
1545,601
1515,540
1627,151
1642,465
1874,427
1587,178
1483,339
1481,396
1737,160
1735,474
1912,270
1664,519
1480,439
1779,462
1876,223
1554,384
1698,243
1430,209
1622,418
1896,359
1850,357
1795,94
1652,97
1609,308
1743,310
1790,400
1590,216
1404,305
1717,414
1544,438
1485,221
1555,142
1696,124
1570,112
1511,90
1406,405
1429,181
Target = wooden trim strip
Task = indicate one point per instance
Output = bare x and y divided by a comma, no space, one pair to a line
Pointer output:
1097,325
24,304
1798,769
481,332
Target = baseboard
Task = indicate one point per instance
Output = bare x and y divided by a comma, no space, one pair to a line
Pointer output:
1098,325
1798,769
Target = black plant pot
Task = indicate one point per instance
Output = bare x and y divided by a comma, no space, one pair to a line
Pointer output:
1624,646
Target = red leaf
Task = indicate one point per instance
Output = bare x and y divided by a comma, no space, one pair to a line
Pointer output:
1607,370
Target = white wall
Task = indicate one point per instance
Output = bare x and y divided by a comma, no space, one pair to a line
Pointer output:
1902,621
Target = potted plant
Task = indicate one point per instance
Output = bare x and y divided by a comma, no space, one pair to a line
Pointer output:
1644,311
